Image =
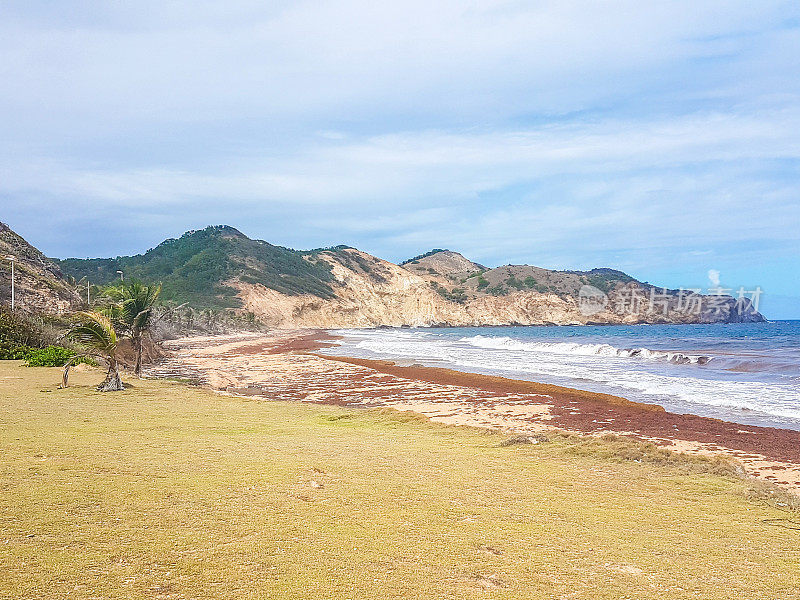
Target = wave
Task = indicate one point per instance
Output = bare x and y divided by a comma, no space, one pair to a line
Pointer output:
574,348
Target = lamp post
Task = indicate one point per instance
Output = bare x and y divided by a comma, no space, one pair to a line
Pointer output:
12,259
121,276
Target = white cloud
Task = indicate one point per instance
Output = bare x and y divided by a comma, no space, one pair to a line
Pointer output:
605,160
367,60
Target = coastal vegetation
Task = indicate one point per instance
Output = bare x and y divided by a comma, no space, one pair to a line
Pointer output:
50,356
131,308
36,339
19,333
419,257
167,490
127,309
457,294
197,267
606,279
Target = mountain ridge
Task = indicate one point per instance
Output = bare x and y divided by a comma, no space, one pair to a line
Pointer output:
341,286
219,267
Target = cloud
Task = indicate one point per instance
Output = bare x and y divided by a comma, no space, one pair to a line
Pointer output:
435,163
366,61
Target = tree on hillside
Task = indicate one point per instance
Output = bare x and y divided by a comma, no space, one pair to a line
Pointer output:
95,334
132,308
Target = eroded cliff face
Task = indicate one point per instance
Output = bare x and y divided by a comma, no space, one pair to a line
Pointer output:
39,285
371,292
386,294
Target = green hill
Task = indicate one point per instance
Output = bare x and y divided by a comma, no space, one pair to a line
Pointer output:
195,267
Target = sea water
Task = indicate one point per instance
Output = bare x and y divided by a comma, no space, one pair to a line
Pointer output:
743,372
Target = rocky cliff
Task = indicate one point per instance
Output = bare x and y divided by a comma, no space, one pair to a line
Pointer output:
39,284
371,292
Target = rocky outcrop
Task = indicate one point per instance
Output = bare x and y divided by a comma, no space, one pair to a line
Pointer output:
39,284
442,263
383,294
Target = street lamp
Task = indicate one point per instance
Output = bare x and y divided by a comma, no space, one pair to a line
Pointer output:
12,259
121,276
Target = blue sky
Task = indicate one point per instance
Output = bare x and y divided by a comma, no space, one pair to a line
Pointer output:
661,138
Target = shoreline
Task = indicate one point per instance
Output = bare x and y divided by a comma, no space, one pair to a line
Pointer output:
752,387
651,420
285,366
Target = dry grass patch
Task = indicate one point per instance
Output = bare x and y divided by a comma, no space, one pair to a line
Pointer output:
168,491
616,447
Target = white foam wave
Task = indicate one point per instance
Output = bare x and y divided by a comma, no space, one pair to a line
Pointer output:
573,348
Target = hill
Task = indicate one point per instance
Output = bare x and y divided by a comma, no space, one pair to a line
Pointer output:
40,285
219,267
442,262
198,266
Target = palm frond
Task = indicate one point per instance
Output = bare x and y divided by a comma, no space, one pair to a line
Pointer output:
137,304
94,331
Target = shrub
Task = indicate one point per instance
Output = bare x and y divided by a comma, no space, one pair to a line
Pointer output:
497,290
19,329
18,334
12,351
457,295
417,258
512,281
52,356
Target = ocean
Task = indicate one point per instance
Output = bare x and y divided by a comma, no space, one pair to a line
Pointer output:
744,372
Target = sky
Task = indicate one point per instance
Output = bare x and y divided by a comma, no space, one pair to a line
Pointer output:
660,138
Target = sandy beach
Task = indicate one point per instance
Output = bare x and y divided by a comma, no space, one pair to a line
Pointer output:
283,365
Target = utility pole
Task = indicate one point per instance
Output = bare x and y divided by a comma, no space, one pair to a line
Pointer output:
12,259
88,301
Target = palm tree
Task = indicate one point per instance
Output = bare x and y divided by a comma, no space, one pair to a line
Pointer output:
133,311
95,333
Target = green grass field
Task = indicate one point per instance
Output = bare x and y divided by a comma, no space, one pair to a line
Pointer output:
168,491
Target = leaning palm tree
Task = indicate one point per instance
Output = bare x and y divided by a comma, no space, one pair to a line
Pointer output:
95,334
137,313
132,309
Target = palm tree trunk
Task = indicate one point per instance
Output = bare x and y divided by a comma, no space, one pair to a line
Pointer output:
112,383
137,344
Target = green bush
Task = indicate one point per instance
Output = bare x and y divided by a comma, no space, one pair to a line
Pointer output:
417,258
12,351
512,281
497,290
18,334
52,356
457,295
